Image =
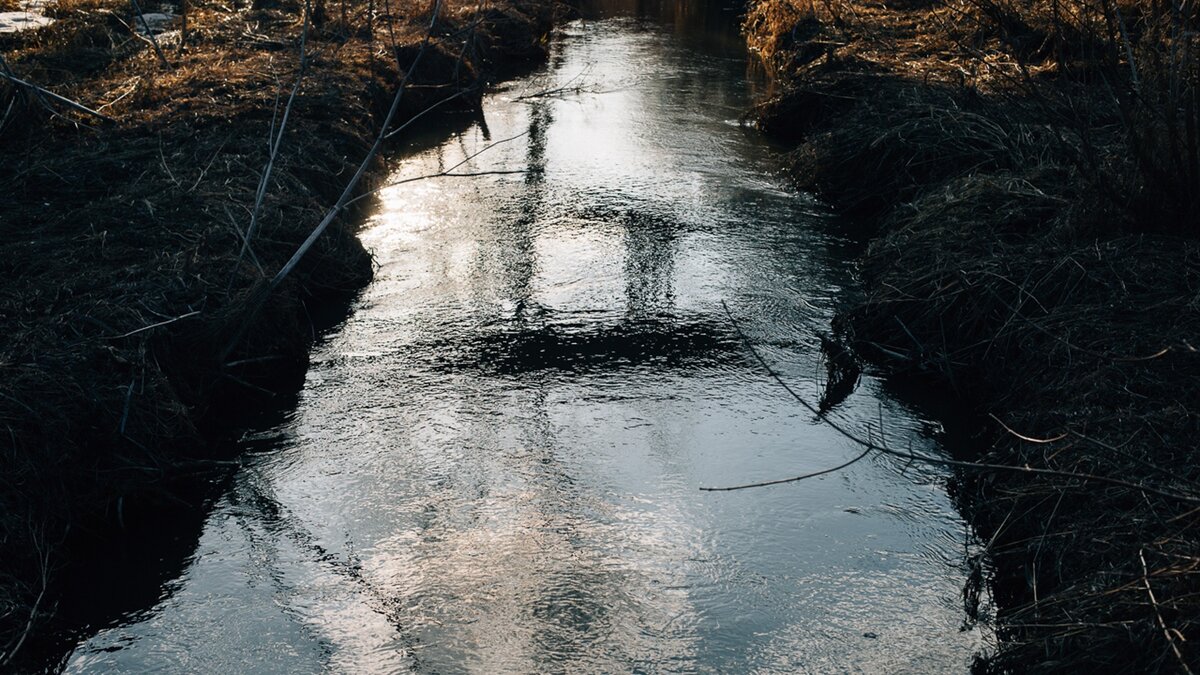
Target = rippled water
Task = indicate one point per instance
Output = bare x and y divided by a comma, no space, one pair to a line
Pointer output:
494,465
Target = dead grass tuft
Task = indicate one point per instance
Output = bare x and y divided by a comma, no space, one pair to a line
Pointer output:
124,278
1031,170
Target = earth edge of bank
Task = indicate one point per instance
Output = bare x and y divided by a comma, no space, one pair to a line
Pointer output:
1002,273
134,343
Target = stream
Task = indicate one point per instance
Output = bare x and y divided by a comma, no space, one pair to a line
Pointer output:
495,462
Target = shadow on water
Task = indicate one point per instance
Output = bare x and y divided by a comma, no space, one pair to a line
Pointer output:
119,574
585,345
126,569
495,463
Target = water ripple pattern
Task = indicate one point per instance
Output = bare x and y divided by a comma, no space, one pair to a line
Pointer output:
494,464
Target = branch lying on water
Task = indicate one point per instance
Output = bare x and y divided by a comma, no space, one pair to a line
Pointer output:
912,456
566,86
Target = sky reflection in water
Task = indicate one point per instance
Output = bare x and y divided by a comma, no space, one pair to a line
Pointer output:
494,464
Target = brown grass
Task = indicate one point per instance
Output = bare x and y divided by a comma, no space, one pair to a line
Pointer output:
1030,169
124,280
988,288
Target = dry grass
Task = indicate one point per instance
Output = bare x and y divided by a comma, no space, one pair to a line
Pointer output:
1031,171
904,138
124,279
988,288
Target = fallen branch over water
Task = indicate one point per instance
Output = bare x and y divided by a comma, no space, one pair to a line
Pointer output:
343,200
870,446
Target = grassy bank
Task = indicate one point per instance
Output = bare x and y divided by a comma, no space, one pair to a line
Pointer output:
142,244
1030,174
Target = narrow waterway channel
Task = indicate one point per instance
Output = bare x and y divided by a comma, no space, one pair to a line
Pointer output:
495,463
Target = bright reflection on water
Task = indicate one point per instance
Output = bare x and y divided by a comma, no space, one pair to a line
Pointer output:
494,464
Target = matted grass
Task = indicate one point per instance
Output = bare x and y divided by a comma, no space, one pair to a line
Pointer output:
1031,173
125,280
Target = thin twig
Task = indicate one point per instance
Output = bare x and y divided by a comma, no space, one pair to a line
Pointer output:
869,445
1027,439
6,74
128,404
1167,632
154,325
275,142
44,564
447,172
149,33
793,479
430,109
245,247
566,86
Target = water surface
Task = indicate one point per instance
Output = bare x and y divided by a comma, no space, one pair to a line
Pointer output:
494,464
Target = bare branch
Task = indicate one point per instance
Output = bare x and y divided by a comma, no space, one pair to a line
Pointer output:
869,445
276,142
150,34
8,75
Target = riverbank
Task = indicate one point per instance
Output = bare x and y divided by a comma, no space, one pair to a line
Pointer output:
142,301
1028,176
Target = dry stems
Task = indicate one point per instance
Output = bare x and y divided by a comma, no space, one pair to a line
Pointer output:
123,266
1029,168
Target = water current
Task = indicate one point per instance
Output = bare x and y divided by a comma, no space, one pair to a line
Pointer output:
495,463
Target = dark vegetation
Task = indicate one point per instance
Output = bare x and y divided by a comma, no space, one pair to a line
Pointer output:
1030,173
135,305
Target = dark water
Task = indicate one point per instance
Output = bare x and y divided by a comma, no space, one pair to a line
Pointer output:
494,464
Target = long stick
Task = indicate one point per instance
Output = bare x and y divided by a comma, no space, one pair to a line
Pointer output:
150,34
6,74
276,141
336,209
869,445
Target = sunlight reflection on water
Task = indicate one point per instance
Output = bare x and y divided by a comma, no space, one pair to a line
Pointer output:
494,463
